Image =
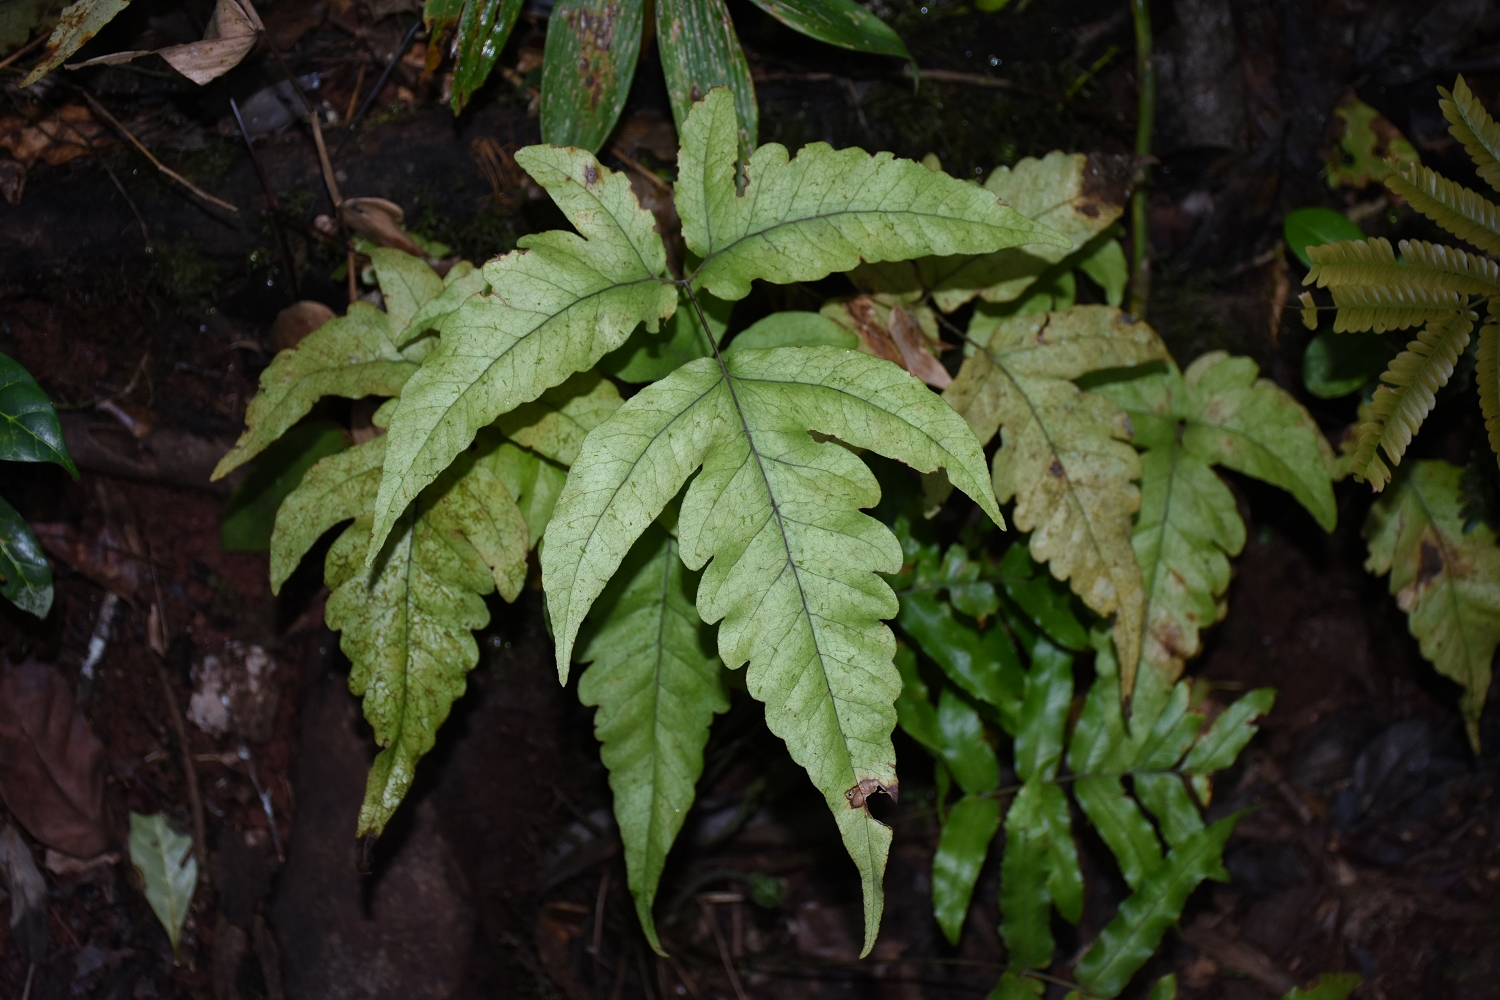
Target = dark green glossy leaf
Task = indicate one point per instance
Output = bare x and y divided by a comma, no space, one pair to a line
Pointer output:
914,711
589,62
25,577
1047,602
29,431
1025,902
1167,798
1314,227
1121,825
838,22
1165,989
1132,936
1064,877
1336,364
1217,748
985,665
968,756
699,51
1014,987
483,29
251,515
1044,713
439,17
972,824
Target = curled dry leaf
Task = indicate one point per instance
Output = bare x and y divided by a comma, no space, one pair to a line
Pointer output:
893,331
51,763
55,139
297,321
228,39
106,558
380,221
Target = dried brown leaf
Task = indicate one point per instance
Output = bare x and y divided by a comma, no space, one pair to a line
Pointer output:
231,34
51,763
379,220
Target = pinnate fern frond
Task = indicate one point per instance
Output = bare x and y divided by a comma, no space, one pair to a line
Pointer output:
1466,214
1423,267
1064,455
1471,124
1409,394
792,564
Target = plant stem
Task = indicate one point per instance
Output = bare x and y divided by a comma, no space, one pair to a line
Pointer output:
1140,250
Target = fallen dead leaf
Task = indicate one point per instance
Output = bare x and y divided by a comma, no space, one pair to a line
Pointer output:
231,34
892,331
379,220
55,139
106,558
51,763
297,321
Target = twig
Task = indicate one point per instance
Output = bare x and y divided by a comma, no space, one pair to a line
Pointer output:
24,50
97,643
145,232
30,971
979,80
273,207
618,152
265,801
682,976
621,969
1140,245
100,110
359,84
712,917
380,83
598,939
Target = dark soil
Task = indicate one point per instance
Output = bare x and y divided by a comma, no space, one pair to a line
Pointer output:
1373,838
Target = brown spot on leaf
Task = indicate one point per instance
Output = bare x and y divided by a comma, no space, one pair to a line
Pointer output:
596,33
591,175
1055,470
1088,208
866,787
1107,177
1431,564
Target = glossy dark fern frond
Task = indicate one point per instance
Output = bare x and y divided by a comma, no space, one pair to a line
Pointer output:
1412,382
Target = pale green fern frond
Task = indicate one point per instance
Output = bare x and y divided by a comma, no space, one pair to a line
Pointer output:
1472,125
1464,213
1380,308
1422,267
1410,392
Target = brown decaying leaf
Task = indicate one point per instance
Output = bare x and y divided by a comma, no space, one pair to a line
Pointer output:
54,139
231,34
297,321
106,558
379,220
51,763
893,333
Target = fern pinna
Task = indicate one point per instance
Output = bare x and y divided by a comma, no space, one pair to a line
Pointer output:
1435,287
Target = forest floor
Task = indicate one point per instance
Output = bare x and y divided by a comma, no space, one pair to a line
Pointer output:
1373,838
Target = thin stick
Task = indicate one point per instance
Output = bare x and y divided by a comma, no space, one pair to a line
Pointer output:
979,80
328,179
273,208
712,917
1145,123
26,49
380,83
618,152
621,969
100,110
359,84
30,971
145,232
598,941
682,976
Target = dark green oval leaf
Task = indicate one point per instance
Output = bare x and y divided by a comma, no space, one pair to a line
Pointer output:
1336,364
29,431
838,22
1314,227
483,29
25,577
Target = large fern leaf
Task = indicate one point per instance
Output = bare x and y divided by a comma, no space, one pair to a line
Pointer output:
558,305
1216,413
1466,214
1064,455
824,211
406,625
655,680
792,565
1412,381
1447,580
1472,125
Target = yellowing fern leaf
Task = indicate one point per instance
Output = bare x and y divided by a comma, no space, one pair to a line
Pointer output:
1472,125
1447,580
1464,213
1064,455
1488,377
1412,382
1423,267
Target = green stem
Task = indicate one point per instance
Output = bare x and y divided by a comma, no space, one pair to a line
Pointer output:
1140,251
